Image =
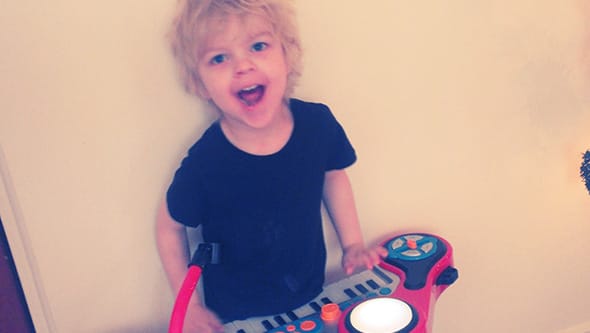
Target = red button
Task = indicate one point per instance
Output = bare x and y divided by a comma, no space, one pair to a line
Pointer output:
291,328
308,325
330,312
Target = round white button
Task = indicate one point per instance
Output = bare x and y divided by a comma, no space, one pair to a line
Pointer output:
381,315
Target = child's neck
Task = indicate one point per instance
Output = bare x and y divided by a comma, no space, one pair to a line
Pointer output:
261,141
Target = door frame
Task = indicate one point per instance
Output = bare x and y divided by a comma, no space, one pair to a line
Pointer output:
14,312
22,252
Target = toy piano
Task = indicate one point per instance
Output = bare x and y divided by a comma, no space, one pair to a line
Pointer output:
398,296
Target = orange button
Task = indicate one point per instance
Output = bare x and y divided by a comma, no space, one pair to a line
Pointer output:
308,325
412,244
330,312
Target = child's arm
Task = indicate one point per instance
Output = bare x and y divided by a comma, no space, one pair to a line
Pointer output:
172,242
340,205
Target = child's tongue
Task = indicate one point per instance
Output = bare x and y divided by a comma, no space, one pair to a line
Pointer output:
251,96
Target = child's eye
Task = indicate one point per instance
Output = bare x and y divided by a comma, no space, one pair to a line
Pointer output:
218,59
259,46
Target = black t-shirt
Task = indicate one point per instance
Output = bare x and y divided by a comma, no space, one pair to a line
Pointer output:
265,211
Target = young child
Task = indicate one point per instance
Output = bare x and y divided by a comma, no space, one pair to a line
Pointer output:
256,179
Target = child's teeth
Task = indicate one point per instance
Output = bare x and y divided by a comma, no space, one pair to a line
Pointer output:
250,88
251,95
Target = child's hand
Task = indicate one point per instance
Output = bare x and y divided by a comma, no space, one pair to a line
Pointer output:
356,255
200,320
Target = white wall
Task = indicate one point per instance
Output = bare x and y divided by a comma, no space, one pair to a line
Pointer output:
469,119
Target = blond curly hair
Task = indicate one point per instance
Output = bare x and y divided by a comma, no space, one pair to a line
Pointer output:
190,29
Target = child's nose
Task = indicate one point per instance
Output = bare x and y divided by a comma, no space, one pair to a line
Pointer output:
244,65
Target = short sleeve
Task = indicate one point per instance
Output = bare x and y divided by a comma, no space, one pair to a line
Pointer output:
341,153
185,204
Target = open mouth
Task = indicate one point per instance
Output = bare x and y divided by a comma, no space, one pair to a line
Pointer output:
251,95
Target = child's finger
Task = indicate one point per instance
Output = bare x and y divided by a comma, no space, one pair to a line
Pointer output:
375,257
348,268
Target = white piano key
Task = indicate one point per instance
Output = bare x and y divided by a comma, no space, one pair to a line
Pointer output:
334,293
231,327
303,311
257,324
237,325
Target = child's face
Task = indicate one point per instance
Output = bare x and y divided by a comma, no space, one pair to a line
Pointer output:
243,70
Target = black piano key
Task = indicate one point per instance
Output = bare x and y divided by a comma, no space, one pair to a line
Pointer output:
326,300
241,331
315,306
280,320
361,288
350,293
382,275
292,315
372,284
267,325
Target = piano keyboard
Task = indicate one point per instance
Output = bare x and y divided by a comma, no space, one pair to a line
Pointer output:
344,292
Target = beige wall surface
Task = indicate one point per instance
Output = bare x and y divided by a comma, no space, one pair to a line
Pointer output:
469,119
